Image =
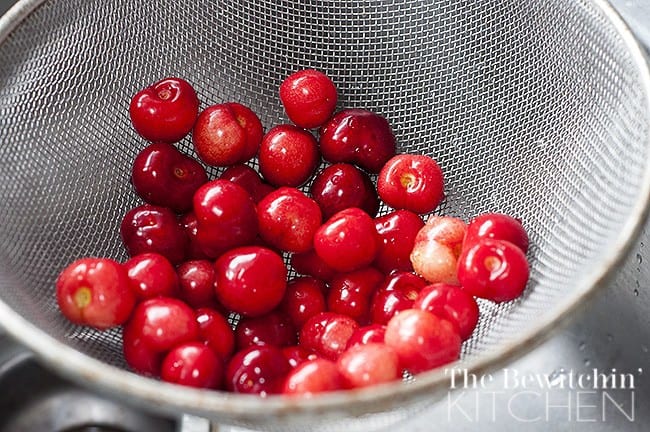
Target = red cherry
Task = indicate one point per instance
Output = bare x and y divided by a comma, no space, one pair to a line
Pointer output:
249,179
397,231
288,220
350,293
164,176
215,331
138,355
192,364
164,111
303,299
190,225
309,98
310,264
396,293
259,369
95,292
163,323
411,182
372,333
148,228
496,270
273,328
250,280
296,355
451,303
327,334
151,275
342,186
227,134
422,340
358,136
347,241
226,217
313,376
288,156
499,227
368,364
197,280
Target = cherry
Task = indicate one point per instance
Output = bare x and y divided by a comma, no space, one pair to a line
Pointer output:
215,331
327,334
197,280
227,134
368,364
95,292
190,225
138,355
163,323
313,376
451,303
296,355
395,294
259,369
422,340
397,231
151,275
249,179
499,227
164,111
274,328
310,264
411,182
226,217
350,293
496,270
437,247
347,241
149,228
358,136
250,280
162,175
371,333
288,220
192,364
288,156
309,98
342,186
303,299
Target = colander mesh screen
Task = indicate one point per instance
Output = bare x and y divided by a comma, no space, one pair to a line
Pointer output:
531,108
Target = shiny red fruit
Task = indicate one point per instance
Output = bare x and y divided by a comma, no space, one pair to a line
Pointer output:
396,293
358,136
227,134
274,328
288,156
496,270
95,292
350,293
163,323
369,364
226,217
151,275
192,364
371,333
288,220
138,355
190,225
497,226
411,182
327,334
149,228
259,369
197,279
163,176
347,241
452,303
216,332
303,299
249,179
422,340
342,186
312,377
310,264
165,111
397,231
250,280
296,355
309,98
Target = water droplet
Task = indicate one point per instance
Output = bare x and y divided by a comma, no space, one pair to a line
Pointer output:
556,376
609,337
582,346
587,362
639,258
636,292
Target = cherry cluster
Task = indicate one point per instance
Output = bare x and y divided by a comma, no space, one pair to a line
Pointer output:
205,300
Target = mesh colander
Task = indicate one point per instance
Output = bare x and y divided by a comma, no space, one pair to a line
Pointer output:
535,109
